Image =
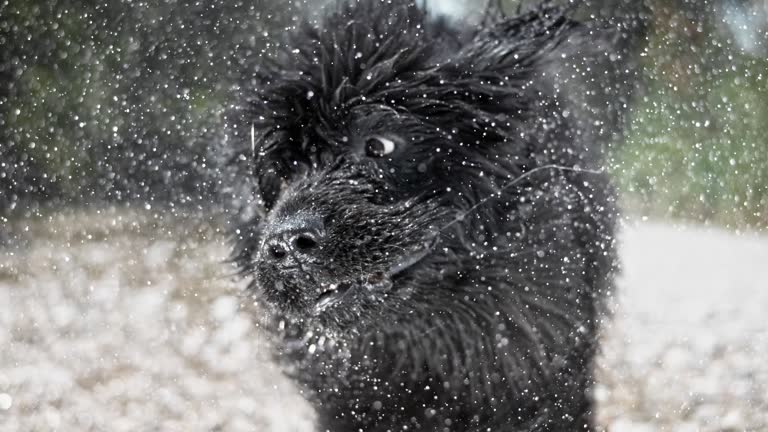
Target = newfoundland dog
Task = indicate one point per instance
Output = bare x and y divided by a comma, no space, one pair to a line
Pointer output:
430,229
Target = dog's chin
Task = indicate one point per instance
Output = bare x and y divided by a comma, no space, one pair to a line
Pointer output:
342,305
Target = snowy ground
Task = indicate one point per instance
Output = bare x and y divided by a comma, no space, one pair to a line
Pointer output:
115,322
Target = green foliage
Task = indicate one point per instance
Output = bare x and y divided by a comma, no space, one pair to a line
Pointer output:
697,145
117,100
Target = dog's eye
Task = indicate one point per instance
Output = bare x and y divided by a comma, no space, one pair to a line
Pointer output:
377,146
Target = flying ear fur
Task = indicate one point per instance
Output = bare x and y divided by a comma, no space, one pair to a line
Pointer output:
495,81
544,57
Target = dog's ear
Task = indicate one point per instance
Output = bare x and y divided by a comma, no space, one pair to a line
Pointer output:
515,47
494,81
541,64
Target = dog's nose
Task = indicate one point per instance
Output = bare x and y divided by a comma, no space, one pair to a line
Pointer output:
296,236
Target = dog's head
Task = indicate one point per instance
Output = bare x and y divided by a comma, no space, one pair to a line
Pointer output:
377,135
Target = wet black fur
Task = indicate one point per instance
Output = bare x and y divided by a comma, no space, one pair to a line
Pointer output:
495,328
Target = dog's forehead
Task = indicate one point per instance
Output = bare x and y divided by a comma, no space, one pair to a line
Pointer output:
353,127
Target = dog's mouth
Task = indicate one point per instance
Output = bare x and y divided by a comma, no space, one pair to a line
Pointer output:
373,284
336,293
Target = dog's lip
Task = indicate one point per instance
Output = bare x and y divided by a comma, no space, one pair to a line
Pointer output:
377,282
330,297
414,258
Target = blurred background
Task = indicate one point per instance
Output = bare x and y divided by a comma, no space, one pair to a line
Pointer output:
110,112
116,101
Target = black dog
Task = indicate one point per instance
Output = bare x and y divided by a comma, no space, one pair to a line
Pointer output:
429,230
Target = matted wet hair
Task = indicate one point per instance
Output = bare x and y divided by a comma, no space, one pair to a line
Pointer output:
455,276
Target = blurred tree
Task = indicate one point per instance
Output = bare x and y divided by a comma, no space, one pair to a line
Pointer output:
697,140
20,173
113,100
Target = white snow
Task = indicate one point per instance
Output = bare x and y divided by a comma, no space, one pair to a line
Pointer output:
687,349
137,330
6,401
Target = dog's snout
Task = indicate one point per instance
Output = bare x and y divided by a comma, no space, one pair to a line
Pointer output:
294,237
283,244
